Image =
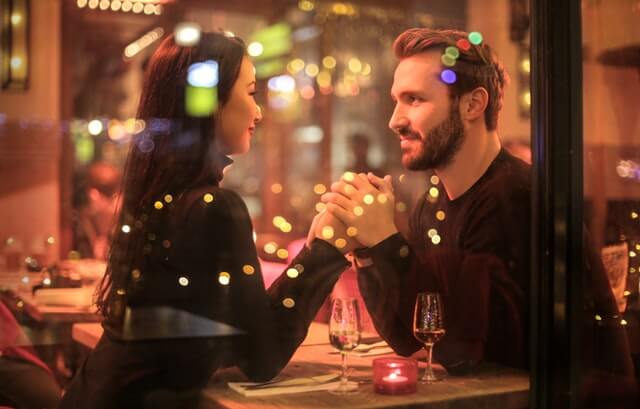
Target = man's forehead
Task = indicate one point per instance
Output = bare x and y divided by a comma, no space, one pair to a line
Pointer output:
420,70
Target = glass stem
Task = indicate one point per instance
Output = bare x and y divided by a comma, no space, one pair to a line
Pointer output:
343,377
429,348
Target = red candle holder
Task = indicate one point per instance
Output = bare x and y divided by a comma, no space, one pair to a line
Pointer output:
395,376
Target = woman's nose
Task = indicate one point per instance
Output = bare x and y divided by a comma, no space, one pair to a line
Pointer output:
258,117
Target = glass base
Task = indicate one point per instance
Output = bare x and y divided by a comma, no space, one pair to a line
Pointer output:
349,388
429,377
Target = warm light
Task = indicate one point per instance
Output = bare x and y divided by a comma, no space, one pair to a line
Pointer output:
115,5
168,198
526,98
149,9
116,131
208,198
307,92
292,273
104,4
126,6
224,278
329,62
255,49
525,65
435,239
366,69
158,205
248,269
95,127
358,211
440,215
286,227
348,176
276,188
187,34
312,70
81,3
158,9
288,302
138,7
434,192
16,62
323,79
295,65
320,207
306,5
51,240
355,65
16,19
401,207
368,199
434,180
279,221
93,4
431,233
319,189
340,243
126,228
270,247
382,198
327,232
343,9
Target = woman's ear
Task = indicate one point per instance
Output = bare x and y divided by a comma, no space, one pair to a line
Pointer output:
473,104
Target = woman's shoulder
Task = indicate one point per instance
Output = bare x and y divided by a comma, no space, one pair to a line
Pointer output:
213,201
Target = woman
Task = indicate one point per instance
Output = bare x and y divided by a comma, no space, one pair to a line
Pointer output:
185,245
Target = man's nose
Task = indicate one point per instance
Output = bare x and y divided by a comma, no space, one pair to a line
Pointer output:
398,120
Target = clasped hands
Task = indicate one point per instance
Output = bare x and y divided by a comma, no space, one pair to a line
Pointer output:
359,212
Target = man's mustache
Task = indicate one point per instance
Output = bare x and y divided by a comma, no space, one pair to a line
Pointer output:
407,132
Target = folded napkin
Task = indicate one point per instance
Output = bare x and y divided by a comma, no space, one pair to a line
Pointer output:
365,350
374,352
286,385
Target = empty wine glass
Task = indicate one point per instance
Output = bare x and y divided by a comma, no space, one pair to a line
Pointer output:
428,327
344,335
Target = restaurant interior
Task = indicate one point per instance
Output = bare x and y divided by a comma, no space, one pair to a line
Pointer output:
71,73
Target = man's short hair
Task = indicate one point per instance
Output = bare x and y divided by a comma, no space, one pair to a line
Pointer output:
477,66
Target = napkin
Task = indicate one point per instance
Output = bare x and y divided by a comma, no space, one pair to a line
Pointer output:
374,352
286,386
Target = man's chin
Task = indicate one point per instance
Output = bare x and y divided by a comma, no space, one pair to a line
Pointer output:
411,162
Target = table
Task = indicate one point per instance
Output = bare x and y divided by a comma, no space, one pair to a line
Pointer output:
495,388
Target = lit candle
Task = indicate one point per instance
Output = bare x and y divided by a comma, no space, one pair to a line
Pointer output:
395,376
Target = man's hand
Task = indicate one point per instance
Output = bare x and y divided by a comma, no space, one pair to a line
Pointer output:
327,227
365,205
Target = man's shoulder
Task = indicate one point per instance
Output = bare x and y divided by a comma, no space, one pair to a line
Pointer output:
510,175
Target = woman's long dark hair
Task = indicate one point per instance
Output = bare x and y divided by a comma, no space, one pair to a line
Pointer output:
174,152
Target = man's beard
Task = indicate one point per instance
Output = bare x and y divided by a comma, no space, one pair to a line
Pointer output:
440,144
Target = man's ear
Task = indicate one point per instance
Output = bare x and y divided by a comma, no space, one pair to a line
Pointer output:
473,104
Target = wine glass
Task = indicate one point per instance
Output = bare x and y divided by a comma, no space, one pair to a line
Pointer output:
428,327
344,335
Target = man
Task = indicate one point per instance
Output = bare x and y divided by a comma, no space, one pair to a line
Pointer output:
469,233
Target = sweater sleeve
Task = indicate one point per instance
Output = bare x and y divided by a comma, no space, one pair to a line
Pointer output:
275,322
